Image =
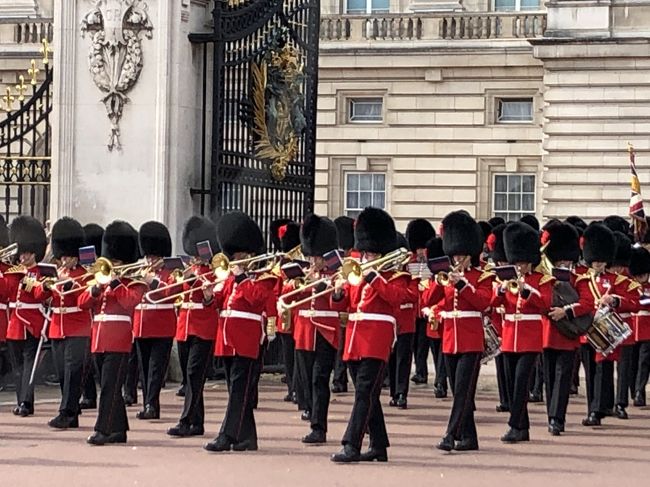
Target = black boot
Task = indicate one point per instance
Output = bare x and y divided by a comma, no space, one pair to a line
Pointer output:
246,445
467,444
63,422
620,412
180,392
315,437
502,408
23,410
446,444
374,455
639,399
592,420
393,402
400,402
419,379
306,415
554,427
348,454
439,392
339,388
181,430
100,439
514,435
149,412
88,404
535,397
220,443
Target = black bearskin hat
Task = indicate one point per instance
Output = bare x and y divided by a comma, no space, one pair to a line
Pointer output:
94,234
598,244
401,241
461,235
646,235
375,232
238,232
495,244
521,243
617,224
67,238
4,233
639,261
530,220
345,232
578,223
418,233
495,221
289,235
29,234
120,242
155,240
199,229
434,248
562,242
486,229
318,236
623,252
274,232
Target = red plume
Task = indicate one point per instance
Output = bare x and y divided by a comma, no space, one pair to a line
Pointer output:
546,237
491,242
582,243
282,231
441,230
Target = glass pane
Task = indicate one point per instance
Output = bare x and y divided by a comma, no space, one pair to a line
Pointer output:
380,6
514,184
500,202
504,5
365,199
353,213
352,200
378,182
529,4
379,200
366,110
365,182
516,110
528,202
500,184
353,182
502,215
356,6
514,202
528,184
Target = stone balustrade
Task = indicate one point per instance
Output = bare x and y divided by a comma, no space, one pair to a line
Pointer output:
25,31
445,26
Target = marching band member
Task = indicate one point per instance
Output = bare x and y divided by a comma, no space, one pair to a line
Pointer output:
27,319
4,266
112,302
69,329
563,251
316,325
154,325
196,326
525,303
244,299
640,271
345,233
370,334
462,299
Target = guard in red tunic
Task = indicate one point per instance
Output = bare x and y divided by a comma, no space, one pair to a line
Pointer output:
563,251
640,271
154,325
26,319
113,301
526,301
371,331
4,298
461,300
244,299
317,326
196,326
69,330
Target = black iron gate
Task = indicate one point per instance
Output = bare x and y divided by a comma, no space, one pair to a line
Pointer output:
25,145
263,124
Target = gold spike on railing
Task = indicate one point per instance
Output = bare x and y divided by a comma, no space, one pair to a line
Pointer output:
33,71
21,88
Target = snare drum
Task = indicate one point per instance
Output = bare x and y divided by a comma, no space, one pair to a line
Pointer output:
492,341
607,331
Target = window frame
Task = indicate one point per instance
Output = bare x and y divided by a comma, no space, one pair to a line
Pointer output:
497,110
516,9
347,173
350,100
507,211
369,10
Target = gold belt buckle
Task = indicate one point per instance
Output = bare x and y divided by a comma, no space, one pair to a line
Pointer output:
518,316
455,313
310,313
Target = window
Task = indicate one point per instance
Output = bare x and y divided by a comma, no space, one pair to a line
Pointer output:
513,196
360,7
362,190
364,110
510,5
514,110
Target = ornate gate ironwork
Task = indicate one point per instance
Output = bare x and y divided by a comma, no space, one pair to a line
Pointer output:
25,150
264,89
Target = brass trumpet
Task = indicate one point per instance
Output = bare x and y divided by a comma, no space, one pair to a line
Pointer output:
352,270
9,251
442,277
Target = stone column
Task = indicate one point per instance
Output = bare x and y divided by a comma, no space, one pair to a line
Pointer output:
149,173
597,99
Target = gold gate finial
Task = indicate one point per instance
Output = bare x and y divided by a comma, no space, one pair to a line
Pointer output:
45,50
33,71
21,88
8,99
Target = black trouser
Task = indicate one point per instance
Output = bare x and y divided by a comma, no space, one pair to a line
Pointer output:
132,376
23,354
183,355
304,373
625,378
520,368
111,413
239,422
258,371
603,400
288,354
399,364
537,384
367,414
588,359
340,367
643,370
154,356
324,359
198,359
89,386
439,364
70,357
502,385
576,369
421,348
558,374
463,371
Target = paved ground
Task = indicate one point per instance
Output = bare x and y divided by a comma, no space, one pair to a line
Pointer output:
616,454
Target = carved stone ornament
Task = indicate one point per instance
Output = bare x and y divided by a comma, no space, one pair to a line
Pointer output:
115,58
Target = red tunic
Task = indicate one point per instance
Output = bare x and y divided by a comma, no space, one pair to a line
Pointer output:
461,312
113,309
156,320
25,309
245,306
522,321
408,311
642,317
371,327
194,318
4,300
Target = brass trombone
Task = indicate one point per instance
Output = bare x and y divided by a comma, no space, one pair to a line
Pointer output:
9,251
442,277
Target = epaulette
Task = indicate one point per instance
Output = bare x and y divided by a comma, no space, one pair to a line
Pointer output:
619,279
485,275
265,276
424,285
634,285
398,274
17,269
546,278
582,277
